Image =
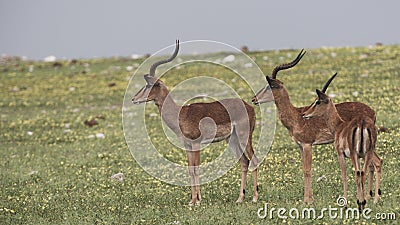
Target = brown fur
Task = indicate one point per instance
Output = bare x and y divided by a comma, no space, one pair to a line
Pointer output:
355,139
232,120
304,132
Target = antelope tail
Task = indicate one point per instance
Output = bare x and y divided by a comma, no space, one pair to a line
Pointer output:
363,138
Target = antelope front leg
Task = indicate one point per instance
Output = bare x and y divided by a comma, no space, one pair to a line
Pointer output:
306,158
190,156
194,171
197,175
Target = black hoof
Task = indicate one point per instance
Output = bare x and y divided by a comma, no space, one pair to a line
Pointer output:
361,205
379,192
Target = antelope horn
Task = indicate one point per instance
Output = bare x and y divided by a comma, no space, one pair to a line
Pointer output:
288,65
328,83
154,66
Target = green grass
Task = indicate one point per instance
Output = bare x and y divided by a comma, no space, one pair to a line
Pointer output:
58,174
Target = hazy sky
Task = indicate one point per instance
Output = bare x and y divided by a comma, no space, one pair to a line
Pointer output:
105,28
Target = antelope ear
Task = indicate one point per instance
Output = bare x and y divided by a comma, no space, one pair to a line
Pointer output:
319,93
150,79
322,96
273,83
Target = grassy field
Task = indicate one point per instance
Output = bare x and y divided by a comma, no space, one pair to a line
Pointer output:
56,170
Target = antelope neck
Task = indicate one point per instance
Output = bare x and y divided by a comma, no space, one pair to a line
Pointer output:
287,112
169,111
333,119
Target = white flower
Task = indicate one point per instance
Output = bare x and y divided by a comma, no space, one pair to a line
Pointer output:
118,177
321,178
33,172
363,56
153,114
100,135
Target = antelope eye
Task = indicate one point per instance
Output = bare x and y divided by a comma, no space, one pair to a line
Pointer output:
318,102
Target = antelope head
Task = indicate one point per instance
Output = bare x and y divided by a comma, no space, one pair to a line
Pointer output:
154,87
322,104
275,88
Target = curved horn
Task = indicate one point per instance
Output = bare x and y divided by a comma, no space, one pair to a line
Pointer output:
154,66
288,65
328,82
